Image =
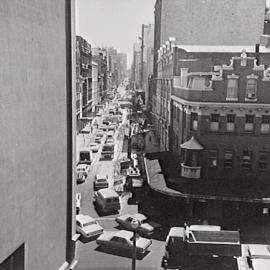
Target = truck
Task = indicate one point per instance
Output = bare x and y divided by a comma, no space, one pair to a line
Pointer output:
201,247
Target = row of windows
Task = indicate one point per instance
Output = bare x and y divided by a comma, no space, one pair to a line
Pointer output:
247,159
249,124
251,88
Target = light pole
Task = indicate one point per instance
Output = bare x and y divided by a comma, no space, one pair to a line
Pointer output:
135,224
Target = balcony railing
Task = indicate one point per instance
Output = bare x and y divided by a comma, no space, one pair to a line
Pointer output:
190,172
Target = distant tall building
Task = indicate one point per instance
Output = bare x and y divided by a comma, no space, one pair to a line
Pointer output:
136,65
147,59
123,65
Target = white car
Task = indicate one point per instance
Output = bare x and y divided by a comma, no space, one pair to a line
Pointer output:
94,147
87,226
123,240
145,228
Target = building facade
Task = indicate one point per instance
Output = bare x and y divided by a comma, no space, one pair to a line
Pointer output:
200,22
100,57
147,58
213,112
94,94
84,73
38,123
136,65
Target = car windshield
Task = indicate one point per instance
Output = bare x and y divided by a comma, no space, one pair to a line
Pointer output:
89,223
101,180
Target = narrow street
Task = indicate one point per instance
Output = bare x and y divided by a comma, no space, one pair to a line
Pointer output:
88,253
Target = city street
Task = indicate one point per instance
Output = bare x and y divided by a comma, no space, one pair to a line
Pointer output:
88,253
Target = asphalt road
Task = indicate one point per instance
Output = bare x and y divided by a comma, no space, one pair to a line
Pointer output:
88,253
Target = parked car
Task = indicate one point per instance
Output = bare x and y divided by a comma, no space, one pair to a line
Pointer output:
109,141
98,139
94,147
101,181
123,240
145,228
87,226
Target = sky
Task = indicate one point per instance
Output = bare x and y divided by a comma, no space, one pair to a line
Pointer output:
116,23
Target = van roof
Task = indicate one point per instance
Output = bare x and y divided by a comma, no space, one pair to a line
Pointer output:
177,231
107,192
211,228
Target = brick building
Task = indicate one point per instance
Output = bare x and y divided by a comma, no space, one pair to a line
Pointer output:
212,111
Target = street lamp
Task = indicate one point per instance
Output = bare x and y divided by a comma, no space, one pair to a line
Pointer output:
134,224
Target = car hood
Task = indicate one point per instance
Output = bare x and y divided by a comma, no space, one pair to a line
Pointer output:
147,226
143,243
92,228
106,236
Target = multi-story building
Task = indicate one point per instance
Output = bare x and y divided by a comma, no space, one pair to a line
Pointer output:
84,76
38,126
122,66
94,95
147,58
208,22
136,65
213,113
100,57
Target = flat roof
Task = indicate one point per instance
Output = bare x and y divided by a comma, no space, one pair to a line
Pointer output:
217,236
228,49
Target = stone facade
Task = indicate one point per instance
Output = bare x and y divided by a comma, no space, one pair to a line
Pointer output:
37,134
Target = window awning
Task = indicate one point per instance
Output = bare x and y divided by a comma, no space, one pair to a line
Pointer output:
192,144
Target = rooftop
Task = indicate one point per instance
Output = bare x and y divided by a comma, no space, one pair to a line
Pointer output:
164,176
217,48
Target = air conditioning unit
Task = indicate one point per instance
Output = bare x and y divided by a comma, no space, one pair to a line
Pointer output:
265,40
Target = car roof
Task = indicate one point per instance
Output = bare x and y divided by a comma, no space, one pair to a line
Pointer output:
83,166
107,192
83,218
124,234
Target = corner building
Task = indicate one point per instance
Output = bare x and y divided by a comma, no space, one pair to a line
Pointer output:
213,112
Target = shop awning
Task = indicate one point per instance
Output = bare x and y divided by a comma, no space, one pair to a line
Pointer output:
192,144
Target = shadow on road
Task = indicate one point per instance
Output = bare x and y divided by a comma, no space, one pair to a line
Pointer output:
121,253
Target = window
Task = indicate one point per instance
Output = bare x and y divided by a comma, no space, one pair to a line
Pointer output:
228,159
247,160
265,125
214,125
232,89
194,121
230,122
198,82
251,91
212,158
262,163
177,115
249,124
